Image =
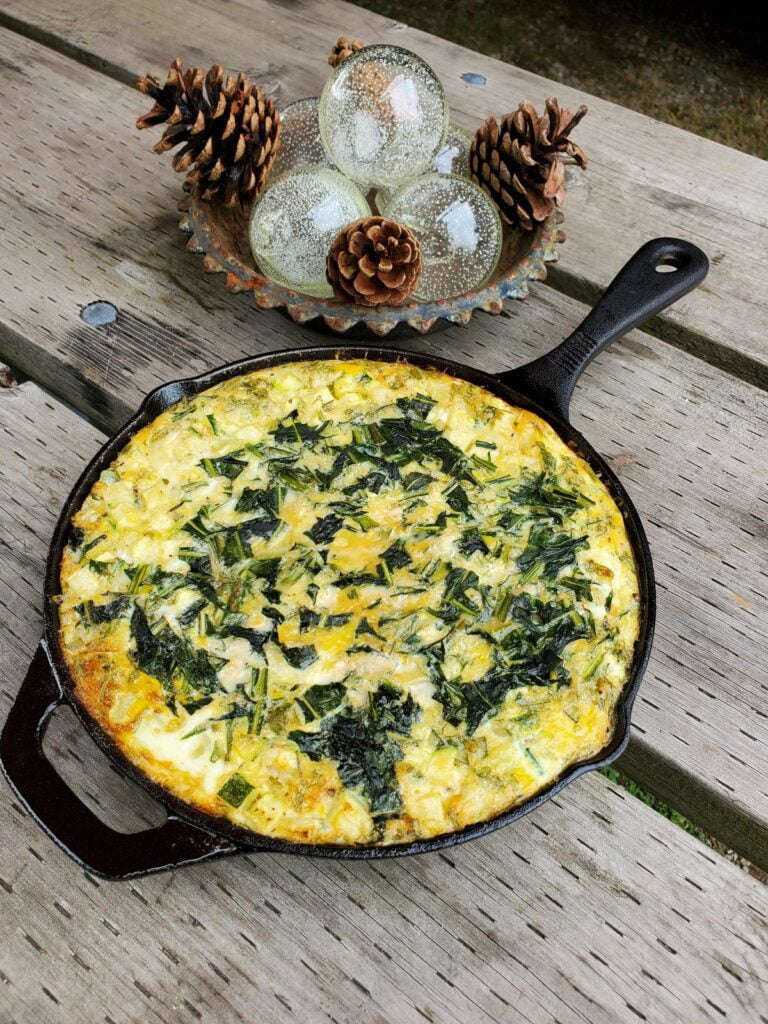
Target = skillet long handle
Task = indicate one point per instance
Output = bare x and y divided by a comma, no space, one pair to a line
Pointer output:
660,273
76,829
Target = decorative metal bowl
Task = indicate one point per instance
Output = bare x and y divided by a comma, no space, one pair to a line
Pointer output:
221,235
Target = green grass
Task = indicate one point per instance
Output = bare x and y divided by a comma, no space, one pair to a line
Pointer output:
658,805
675,62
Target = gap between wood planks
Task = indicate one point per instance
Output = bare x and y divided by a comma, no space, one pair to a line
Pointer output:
562,277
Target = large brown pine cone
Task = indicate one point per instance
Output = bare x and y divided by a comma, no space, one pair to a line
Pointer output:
519,162
374,262
342,48
228,129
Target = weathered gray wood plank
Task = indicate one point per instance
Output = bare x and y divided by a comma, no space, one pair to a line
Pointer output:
595,909
83,219
646,178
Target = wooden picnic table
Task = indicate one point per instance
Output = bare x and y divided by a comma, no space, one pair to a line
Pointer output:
595,907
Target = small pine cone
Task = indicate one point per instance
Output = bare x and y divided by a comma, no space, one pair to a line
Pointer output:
228,129
519,162
374,262
342,48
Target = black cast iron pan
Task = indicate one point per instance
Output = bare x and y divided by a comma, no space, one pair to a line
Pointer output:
544,386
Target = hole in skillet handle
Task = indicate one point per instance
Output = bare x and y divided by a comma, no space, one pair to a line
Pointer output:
660,272
667,265
62,815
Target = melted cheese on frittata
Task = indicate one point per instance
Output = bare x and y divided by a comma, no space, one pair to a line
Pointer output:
350,602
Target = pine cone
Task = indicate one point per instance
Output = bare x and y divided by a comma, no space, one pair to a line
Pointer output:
373,262
519,162
342,48
229,130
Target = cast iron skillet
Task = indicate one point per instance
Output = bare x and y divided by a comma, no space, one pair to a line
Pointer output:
188,835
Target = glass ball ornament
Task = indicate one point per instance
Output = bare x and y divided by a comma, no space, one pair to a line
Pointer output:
300,142
294,221
453,155
383,116
458,228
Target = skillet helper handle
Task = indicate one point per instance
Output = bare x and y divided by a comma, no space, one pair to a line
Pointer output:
76,829
661,272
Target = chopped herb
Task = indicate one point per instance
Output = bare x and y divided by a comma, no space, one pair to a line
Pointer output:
226,465
307,619
267,500
365,522
172,660
257,695
548,552
291,429
396,557
255,637
164,583
357,579
419,407
471,541
299,657
544,497
182,411
416,481
103,568
594,665
233,543
320,700
292,475
486,463
455,597
214,425
437,527
332,621
365,745
191,612
235,790
137,575
199,526
580,585
325,529
457,498
504,605
96,614
364,627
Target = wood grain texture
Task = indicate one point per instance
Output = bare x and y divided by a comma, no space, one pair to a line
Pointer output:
594,909
645,179
86,220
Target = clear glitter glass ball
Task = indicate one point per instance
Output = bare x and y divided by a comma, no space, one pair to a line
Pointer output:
458,228
451,158
453,155
383,116
300,142
294,221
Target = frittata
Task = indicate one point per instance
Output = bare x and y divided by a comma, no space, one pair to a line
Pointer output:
350,602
